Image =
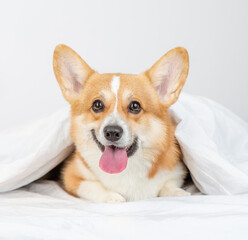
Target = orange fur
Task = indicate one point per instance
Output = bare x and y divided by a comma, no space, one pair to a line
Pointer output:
77,155
71,176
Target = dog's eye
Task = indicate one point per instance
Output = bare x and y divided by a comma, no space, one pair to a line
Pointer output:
97,106
134,107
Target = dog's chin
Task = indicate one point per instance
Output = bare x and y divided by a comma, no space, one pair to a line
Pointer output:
129,149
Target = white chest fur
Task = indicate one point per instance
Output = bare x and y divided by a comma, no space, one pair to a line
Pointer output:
133,183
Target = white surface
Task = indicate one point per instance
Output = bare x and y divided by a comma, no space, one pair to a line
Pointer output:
120,36
44,211
213,140
28,153
214,143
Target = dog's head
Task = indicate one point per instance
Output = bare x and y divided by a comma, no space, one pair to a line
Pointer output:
120,115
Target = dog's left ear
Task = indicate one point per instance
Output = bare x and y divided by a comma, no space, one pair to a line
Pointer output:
169,73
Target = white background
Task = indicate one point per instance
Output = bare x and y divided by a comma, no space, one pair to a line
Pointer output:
120,36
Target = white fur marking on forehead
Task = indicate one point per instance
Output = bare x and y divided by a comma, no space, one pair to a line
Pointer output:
115,83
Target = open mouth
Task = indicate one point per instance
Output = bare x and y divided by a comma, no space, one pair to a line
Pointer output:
114,159
130,150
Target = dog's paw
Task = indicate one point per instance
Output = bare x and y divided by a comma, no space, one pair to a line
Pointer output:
174,192
113,197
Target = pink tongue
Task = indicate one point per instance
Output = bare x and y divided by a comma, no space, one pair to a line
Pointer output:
113,160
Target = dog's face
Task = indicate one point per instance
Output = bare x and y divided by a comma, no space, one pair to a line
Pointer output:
120,115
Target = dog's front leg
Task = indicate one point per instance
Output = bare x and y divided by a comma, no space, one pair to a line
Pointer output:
96,192
80,181
171,188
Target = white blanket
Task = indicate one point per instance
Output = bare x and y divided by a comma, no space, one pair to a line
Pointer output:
214,143
44,211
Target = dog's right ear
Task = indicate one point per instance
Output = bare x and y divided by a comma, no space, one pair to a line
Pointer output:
169,74
71,71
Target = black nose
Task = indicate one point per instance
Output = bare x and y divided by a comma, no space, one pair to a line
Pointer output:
113,133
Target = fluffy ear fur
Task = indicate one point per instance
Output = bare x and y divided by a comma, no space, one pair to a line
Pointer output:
70,70
169,73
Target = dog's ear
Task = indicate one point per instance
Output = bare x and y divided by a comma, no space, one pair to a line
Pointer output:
169,73
70,70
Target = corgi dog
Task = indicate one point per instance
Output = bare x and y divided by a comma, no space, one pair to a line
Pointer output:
125,147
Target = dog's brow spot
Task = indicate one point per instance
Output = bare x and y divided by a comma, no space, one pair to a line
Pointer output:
127,95
115,83
105,94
